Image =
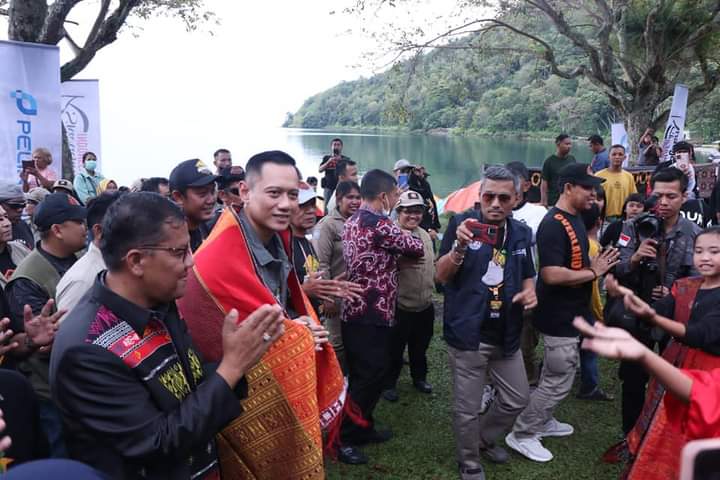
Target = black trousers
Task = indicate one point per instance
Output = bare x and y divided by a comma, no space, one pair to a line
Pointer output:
414,329
367,355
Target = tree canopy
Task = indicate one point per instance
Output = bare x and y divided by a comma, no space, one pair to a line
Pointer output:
539,65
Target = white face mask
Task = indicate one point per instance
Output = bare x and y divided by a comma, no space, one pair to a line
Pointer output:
385,210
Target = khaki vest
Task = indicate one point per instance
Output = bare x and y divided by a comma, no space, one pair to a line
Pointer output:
40,271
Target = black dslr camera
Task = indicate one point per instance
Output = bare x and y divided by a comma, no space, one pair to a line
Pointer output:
648,226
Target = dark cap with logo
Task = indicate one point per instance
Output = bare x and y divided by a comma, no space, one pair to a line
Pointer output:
577,174
191,173
56,209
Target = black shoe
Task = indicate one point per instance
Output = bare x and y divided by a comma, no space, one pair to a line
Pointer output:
374,436
422,386
351,455
596,394
390,395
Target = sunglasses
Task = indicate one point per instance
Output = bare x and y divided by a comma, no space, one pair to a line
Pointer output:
490,197
15,206
234,191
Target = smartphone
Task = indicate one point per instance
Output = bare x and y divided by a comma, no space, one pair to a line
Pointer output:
336,151
483,232
403,180
28,164
700,460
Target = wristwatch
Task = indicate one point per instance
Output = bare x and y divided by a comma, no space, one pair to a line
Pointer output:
458,248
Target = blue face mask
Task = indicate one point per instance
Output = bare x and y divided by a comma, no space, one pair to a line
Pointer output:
90,165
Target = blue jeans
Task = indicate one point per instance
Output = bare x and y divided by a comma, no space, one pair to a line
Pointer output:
588,371
51,423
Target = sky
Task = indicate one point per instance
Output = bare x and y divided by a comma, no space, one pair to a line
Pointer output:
167,95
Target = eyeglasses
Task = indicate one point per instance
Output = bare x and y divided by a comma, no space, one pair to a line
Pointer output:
180,253
490,197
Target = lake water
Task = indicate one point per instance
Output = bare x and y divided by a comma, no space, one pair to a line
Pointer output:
452,161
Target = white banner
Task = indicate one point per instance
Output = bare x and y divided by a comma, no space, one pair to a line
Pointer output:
675,130
29,105
619,137
81,117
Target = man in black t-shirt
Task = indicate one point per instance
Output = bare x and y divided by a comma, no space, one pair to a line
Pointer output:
564,289
329,162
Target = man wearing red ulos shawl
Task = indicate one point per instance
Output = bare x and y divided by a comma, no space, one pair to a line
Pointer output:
296,391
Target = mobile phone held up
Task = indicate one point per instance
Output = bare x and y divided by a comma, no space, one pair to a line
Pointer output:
700,460
28,164
482,232
403,180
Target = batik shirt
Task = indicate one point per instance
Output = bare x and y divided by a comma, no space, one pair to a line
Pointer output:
372,244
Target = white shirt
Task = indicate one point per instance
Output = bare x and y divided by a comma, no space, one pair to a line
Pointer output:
530,214
79,279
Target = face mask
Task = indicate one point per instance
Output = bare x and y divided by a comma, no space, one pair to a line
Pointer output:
90,165
385,210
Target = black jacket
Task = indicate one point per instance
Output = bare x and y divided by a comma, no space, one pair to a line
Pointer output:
136,400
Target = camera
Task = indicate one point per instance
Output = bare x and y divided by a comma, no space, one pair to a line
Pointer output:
648,226
336,152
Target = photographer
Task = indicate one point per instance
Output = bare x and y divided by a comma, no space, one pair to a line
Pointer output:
327,166
655,250
414,177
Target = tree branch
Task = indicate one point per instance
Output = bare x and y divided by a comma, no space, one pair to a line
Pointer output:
105,35
53,29
98,21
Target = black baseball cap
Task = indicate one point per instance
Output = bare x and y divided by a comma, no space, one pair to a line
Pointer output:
577,174
191,173
57,208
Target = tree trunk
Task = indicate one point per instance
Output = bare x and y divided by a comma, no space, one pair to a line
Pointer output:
26,19
68,167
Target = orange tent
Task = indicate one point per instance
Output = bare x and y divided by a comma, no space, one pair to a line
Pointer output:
462,199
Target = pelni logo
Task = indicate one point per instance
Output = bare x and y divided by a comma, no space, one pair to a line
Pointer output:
25,102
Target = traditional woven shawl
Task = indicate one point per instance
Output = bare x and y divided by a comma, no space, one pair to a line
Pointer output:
294,392
653,443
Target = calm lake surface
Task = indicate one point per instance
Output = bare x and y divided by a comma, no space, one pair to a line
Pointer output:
451,161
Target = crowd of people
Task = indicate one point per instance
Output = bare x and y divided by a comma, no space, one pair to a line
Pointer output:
239,323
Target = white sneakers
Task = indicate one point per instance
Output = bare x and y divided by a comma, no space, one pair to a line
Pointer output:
532,448
529,447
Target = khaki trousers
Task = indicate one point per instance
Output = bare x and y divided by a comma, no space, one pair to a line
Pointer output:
560,361
469,372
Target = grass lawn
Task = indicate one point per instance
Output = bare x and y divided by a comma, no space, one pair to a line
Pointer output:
423,446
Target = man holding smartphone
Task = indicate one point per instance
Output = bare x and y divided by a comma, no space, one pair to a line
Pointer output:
329,162
487,268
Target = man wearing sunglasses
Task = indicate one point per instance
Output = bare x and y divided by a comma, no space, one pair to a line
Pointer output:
487,269
12,200
564,289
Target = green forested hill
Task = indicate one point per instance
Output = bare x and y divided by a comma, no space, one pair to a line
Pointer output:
471,90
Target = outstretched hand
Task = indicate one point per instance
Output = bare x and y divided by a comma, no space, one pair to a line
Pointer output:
609,342
41,328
